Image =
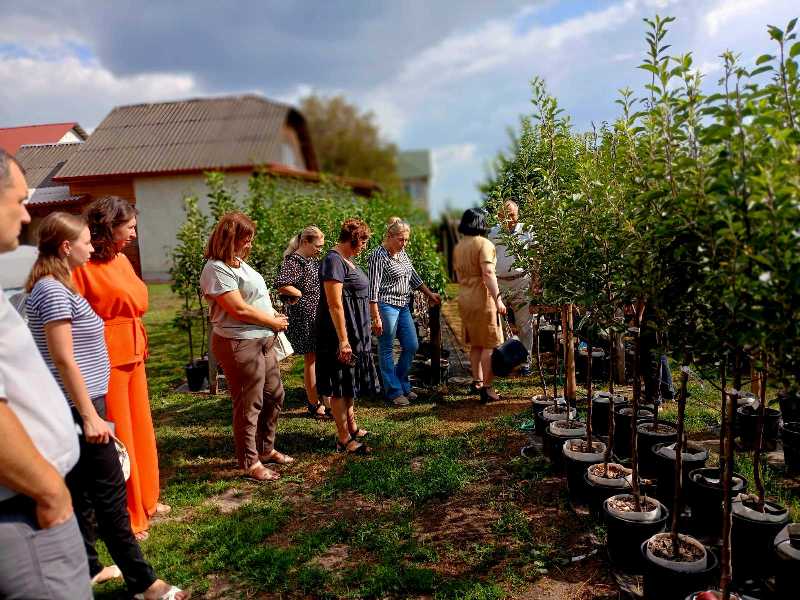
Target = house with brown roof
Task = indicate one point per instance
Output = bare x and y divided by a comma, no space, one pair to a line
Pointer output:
155,154
12,138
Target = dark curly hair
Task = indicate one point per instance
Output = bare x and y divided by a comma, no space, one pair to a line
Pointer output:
103,215
353,231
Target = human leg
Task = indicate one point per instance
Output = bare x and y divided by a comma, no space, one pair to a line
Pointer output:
524,322
392,387
487,393
407,335
118,407
341,407
244,367
144,439
272,401
475,353
315,407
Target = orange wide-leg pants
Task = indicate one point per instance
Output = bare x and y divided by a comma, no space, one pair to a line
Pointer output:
128,407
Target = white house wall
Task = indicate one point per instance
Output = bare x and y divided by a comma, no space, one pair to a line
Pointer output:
160,204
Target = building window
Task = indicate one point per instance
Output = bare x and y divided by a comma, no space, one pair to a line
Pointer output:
289,156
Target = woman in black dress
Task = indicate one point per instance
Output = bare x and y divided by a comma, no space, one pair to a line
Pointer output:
298,284
345,368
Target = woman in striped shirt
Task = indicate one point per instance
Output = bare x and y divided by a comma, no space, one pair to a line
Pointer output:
70,338
392,279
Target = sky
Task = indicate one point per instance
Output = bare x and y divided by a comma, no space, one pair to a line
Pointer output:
448,76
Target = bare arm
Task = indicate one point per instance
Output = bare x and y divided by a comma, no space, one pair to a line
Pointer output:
432,296
233,304
24,470
489,278
59,344
290,290
333,294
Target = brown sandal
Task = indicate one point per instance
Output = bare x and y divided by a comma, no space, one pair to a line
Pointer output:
260,473
277,458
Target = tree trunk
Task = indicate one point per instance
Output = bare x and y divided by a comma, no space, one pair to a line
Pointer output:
725,566
589,395
677,506
555,367
539,358
619,358
570,385
609,446
755,382
637,390
762,411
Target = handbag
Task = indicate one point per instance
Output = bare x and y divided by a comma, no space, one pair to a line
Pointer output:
283,349
508,355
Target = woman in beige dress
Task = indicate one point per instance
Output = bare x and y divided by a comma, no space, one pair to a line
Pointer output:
479,299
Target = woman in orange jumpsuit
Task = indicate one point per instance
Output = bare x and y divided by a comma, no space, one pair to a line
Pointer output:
112,288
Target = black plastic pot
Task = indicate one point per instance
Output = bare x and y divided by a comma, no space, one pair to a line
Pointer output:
752,540
661,583
542,423
576,469
600,413
625,537
747,417
196,374
553,448
790,405
705,498
647,439
787,563
790,434
622,429
695,458
596,494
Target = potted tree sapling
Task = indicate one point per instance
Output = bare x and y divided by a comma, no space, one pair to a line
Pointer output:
187,264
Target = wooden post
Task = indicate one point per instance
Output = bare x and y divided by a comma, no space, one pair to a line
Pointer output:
434,315
618,358
755,381
570,385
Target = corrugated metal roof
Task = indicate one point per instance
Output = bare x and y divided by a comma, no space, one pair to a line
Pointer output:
413,164
11,138
42,162
188,135
55,199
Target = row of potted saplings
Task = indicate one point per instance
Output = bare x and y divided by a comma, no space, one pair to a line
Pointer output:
633,479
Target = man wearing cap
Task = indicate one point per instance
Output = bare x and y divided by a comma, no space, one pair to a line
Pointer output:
41,549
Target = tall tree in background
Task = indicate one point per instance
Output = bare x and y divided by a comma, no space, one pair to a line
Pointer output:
348,141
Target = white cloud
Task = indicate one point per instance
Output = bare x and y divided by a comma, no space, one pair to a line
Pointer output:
453,154
36,90
725,11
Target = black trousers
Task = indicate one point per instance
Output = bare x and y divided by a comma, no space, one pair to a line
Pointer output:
97,486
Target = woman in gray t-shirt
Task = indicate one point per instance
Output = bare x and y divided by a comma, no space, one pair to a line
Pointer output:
244,325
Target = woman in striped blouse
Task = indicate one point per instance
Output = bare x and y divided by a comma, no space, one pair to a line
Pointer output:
392,279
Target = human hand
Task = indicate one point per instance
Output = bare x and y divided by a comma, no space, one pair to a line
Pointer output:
435,299
345,354
377,326
55,508
501,307
95,429
280,323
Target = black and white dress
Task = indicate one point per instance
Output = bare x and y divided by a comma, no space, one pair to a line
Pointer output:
303,273
333,377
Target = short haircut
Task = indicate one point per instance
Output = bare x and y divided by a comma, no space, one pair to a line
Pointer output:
103,216
473,222
353,231
5,168
396,226
228,235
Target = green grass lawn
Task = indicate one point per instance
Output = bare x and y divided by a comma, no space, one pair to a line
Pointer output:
445,507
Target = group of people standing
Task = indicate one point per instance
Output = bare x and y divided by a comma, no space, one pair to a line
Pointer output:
72,381
332,310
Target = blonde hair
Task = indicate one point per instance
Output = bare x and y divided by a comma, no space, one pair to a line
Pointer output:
55,229
394,226
309,234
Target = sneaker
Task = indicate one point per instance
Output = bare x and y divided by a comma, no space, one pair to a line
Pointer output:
411,396
400,401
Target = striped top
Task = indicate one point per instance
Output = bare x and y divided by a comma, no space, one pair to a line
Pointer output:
391,278
50,300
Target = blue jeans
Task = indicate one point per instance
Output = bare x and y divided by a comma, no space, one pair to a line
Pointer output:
397,322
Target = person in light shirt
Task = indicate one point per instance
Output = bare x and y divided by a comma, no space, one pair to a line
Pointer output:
515,283
41,549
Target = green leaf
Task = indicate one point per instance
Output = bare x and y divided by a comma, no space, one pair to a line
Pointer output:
764,58
794,50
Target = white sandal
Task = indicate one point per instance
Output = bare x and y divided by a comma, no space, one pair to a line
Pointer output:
170,594
115,574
